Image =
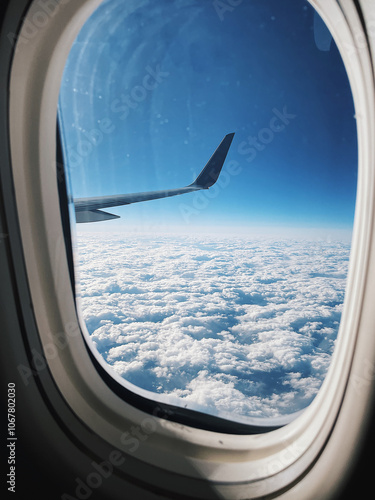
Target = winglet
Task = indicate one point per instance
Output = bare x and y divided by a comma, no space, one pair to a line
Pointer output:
211,171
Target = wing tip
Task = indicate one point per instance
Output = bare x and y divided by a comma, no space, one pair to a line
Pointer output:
211,171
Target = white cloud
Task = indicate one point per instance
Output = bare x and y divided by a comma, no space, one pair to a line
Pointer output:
229,327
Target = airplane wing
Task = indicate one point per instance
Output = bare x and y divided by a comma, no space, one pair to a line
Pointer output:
89,209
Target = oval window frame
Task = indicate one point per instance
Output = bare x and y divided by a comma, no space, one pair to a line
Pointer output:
265,463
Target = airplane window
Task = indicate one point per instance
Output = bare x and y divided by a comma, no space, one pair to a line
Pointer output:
212,159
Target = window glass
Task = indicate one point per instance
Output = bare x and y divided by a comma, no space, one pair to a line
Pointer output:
225,300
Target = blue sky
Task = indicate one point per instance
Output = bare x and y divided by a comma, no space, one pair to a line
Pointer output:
151,88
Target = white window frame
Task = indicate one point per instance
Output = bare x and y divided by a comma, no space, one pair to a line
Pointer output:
304,459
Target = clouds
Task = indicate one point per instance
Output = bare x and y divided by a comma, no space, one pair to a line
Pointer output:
232,327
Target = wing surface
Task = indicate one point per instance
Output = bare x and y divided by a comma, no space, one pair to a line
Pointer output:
89,209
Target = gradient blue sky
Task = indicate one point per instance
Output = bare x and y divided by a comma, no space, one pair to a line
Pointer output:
214,73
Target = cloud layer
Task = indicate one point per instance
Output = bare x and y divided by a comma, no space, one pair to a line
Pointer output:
225,326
